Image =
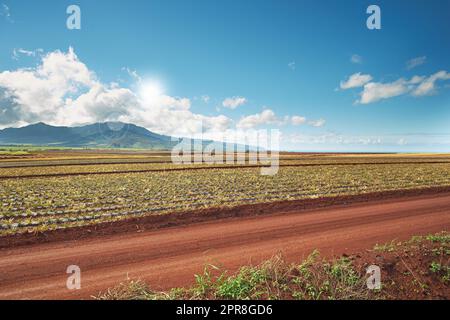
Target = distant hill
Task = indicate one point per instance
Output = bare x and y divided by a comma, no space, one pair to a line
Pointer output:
99,135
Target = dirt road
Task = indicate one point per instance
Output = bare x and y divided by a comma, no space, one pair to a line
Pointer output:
170,257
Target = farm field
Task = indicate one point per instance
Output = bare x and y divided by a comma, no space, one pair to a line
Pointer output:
53,168
59,190
170,257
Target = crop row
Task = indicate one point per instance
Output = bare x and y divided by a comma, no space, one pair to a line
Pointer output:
49,203
123,160
159,203
35,209
8,172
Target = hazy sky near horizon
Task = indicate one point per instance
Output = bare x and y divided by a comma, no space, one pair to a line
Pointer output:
311,69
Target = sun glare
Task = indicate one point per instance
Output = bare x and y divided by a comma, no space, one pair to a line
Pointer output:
151,90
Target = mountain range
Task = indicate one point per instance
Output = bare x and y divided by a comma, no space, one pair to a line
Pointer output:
98,135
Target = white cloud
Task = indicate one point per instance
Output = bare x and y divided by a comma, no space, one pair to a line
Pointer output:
39,93
63,91
375,91
356,80
297,120
99,103
416,80
415,62
428,85
317,123
416,86
357,59
29,53
268,117
234,102
264,118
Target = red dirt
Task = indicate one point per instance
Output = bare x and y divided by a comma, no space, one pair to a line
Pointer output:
405,270
170,257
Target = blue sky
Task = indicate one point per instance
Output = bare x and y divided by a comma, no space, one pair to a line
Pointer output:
285,65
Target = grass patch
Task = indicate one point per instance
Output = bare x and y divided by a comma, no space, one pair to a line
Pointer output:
314,279
415,269
387,247
442,238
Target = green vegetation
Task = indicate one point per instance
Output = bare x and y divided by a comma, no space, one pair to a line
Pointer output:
387,247
48,203
442,271
274,279
316,278
439,238
441,267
